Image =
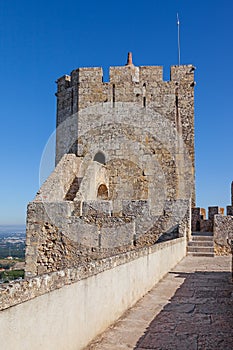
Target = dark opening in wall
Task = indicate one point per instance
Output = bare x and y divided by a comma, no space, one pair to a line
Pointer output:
99,157
113,94
144,101
102,192
144,94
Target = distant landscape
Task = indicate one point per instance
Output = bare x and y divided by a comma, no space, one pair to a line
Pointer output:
12,230
12,252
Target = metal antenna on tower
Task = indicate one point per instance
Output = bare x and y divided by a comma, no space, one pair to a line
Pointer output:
178,33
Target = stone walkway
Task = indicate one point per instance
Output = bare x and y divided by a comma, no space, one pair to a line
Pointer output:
191,308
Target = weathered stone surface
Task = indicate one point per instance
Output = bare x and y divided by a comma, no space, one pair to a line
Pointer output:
60,257
223,234
230,210
58,183
142,86
212,211
125,167
97,208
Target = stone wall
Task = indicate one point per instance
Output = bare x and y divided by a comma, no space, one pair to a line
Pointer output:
198,214
212,211
58,183
95,174
199,221
69,233
223,233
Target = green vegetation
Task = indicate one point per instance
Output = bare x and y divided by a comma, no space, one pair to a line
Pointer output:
11,275
6,264
12,249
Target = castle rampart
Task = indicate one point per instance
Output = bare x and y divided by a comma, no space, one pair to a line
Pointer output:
220,225
68,308
115,215
116,209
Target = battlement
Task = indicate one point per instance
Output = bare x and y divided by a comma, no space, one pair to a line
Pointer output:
87,75
63,82
125,74
201,223
182,73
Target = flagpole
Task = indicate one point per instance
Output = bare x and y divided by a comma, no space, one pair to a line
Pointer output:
178,33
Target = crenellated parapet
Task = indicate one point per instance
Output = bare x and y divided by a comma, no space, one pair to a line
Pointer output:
85,86
125,74
221,225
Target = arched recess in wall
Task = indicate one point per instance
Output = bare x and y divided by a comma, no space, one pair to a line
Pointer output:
100,158
102,192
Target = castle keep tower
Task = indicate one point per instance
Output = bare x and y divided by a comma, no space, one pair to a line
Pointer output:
125,169
85,93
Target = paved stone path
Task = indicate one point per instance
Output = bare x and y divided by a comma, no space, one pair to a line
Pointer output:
191,308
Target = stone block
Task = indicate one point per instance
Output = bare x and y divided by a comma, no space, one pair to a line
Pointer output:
214,211
97,208
151,74
84,232
135,208
77,205
118,235
223,231
230,210
206,226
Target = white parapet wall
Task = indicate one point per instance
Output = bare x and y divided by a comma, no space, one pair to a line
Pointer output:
67,309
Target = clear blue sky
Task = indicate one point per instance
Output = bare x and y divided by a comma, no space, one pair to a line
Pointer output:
43,40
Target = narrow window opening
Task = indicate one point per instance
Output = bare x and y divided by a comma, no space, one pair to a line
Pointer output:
177,99
113,94
144,94
100,158
144,101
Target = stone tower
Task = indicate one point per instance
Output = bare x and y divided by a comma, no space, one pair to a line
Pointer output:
83,96
125,169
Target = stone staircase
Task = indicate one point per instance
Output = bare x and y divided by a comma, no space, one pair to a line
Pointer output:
202,244
74,187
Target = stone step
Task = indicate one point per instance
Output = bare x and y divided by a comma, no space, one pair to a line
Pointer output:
203,238
210,255
201,249
200,244
202,233
74,187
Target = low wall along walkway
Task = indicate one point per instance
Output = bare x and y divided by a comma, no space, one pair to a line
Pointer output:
65,310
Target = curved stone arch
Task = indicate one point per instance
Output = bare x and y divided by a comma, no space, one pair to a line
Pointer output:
102,192
100,158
